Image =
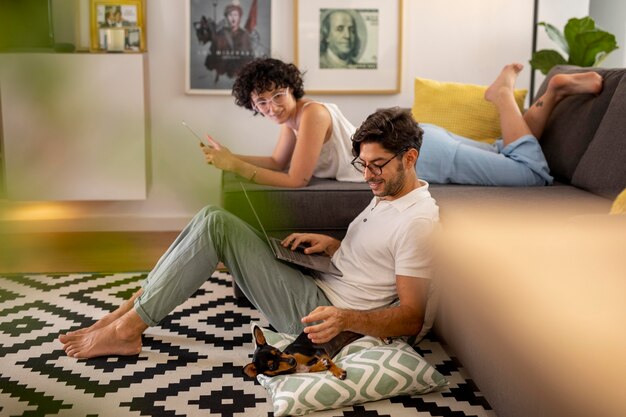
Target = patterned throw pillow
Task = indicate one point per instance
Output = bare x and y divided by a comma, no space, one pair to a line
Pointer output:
459,108
375,371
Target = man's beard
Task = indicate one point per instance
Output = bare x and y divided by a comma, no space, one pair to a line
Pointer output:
393,185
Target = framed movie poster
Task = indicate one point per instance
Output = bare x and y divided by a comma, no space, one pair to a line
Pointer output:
222,36
349,46
117,26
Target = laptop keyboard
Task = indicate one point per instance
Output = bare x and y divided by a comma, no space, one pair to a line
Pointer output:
294,255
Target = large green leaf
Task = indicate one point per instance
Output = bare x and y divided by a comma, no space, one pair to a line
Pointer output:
576,26
585,45
545,59
555,35
599,58
588,46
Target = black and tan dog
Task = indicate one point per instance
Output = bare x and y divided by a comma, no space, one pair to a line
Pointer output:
301,355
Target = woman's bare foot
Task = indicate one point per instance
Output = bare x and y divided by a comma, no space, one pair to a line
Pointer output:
504,84
120,337
563,85
104,321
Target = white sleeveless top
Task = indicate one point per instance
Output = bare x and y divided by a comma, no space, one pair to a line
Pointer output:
336,155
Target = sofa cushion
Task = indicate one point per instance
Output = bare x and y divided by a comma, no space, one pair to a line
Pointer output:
375,371
566,199
459,108
573,123
602,168
324,206
328,206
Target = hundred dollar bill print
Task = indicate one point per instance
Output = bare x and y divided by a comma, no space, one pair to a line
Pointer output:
349,46
349,38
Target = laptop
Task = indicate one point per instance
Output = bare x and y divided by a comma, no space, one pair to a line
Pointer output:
315,261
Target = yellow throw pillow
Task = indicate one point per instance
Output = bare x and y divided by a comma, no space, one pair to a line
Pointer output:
619,205
460,108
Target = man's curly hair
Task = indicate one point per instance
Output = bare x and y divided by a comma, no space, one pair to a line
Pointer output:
266,74
394,128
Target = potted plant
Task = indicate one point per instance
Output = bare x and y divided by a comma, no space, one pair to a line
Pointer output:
584,43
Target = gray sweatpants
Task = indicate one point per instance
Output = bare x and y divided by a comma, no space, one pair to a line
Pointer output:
282,293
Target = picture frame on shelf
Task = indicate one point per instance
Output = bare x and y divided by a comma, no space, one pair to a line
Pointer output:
117,26
222,36
349,47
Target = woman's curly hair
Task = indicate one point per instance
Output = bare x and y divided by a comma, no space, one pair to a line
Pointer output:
266,74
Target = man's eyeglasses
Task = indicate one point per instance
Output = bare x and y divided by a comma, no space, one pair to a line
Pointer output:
277,99
375,169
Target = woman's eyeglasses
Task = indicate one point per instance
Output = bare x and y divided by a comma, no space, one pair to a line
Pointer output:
277,99
375,169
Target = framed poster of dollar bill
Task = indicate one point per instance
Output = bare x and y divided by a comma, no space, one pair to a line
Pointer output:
349,46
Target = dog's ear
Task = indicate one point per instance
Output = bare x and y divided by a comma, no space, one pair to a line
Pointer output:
259,337
250,370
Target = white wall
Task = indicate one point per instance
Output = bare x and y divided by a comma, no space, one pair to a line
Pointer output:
610,15
449,40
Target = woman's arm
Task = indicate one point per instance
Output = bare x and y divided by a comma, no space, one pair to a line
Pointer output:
300,154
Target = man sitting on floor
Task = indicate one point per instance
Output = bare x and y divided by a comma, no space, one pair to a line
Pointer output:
384,259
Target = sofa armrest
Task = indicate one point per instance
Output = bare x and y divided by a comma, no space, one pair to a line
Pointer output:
577,125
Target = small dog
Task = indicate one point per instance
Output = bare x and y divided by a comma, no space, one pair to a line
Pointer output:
301,355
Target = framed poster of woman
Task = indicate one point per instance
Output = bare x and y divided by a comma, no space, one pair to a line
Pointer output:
222,36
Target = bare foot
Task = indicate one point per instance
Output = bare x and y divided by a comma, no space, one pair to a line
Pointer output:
104,321
563,85
120,337
505,83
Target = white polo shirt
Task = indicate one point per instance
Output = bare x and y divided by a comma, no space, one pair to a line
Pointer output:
388,238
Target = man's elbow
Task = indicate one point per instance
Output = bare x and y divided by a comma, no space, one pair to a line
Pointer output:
413,327
416,328
414,323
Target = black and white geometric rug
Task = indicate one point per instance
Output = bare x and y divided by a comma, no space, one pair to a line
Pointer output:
191,364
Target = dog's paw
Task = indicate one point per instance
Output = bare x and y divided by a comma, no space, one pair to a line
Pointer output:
339,373
326,362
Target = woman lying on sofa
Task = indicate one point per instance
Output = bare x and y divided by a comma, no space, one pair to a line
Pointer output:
315,138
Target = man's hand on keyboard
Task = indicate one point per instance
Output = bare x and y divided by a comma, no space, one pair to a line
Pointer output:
313,242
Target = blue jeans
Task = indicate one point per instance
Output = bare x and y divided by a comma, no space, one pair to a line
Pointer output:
282,293
449,158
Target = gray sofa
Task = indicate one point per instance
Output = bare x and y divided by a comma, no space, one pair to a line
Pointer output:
514,262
